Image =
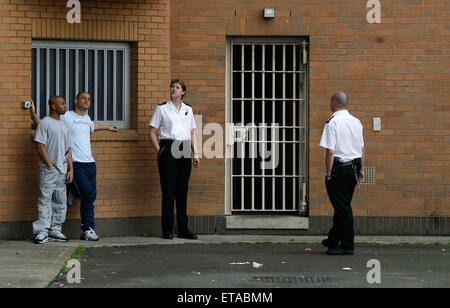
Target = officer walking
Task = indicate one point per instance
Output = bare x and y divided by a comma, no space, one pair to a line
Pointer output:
343,141
176,125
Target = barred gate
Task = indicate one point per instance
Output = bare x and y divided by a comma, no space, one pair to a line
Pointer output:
267,112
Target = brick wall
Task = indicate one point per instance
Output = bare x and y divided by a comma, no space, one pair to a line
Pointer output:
128,185
396,70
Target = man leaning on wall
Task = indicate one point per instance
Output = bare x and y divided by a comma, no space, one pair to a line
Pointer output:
85,170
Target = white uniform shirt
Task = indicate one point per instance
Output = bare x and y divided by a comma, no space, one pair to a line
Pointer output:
343,133
81,128
173,124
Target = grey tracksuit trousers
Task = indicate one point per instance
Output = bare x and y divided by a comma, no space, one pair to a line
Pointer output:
52,202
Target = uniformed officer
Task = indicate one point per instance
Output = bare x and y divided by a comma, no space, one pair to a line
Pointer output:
343,141
176,125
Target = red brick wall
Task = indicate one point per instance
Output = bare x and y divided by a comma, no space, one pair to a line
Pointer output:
396,70
128,183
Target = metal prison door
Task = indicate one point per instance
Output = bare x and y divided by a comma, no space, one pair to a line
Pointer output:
267,131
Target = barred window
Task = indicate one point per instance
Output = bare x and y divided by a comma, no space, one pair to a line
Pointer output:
66,68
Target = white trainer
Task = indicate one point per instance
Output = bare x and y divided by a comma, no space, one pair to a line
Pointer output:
41,238
57,236
89,235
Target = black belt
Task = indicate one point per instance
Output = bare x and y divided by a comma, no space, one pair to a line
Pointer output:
340,164
166,141
181,144
170,141
345,164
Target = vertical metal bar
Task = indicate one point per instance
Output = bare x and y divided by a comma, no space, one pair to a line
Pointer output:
96,84
86,71
105,85
242,117
304,132
47,78
57,71
38,83
77,77
125,80
114,84
232,121
273,121
284,130
263,137
294,124
251,145
68,99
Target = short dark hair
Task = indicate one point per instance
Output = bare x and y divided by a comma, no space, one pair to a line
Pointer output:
340,98
79,94
180,82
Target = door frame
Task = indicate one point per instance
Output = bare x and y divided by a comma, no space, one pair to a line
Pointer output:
303,190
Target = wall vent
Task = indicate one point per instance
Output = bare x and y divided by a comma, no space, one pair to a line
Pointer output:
369,175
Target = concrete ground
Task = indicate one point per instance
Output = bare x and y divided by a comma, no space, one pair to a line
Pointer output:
223,261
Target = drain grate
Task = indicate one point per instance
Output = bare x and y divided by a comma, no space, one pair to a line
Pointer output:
292,279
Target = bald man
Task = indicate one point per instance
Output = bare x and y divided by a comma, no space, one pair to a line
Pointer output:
343,142
54,147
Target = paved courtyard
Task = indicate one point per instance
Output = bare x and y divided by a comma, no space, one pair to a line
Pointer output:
256,265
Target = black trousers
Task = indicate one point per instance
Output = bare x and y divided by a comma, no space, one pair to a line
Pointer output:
340,190
174,176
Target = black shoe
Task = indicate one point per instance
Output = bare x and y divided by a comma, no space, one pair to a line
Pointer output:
189,236
327,244
168,236
340,251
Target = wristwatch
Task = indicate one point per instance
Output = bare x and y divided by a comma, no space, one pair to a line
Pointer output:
328,176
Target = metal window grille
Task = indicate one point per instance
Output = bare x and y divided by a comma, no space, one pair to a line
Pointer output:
268,84
66,68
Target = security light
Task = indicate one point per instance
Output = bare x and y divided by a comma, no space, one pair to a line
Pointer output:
269,13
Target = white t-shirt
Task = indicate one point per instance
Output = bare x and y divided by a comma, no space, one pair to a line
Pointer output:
343,133
173,124
81,128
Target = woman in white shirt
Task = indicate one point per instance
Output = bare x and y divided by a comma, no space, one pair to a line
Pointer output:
174,120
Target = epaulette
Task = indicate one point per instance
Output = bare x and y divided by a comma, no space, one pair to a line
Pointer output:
162,104
187,104
329,119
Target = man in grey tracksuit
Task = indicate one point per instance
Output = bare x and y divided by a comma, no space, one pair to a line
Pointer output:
53,143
